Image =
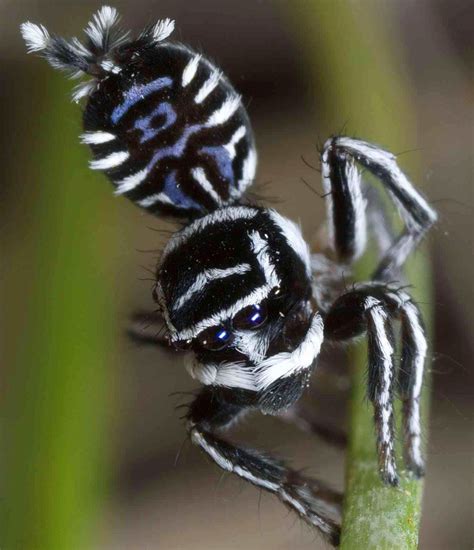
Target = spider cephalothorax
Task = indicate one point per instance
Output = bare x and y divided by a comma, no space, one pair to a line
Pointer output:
235,287
238,289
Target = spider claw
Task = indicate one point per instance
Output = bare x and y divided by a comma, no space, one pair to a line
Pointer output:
417,469
390,478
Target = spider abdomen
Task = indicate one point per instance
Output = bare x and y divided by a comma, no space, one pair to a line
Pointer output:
170,131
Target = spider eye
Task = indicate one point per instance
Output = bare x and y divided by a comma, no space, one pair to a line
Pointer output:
251,317
215,338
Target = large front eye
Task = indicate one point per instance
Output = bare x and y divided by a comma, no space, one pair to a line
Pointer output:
251,317
215,338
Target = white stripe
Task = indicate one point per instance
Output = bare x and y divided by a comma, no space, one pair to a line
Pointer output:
359,205
286,363
205,277
255,297
414,421
152,199
387,161
204,373
189,71
199,175
421,346
260,249
225,111
379,317
112,161
293,502
292,234
227,465
281,365
252,344
242,472
352,176
235,375
238,135
249,167
231,213
130,182
223,462
326,180
208,86
96,138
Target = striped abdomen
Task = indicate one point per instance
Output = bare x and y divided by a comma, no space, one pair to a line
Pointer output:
171,133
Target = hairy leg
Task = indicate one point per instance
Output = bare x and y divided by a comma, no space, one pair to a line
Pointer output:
315,503
347,204
370,308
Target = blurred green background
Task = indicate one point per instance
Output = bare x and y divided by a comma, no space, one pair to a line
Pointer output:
90,431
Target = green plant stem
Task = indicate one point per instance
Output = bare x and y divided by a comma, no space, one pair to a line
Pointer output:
351,52
61,302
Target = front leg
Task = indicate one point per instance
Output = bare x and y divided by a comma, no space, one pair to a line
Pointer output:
315,503
370,308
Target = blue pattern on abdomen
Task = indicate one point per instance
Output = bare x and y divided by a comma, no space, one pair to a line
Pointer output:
223,161
144,123
159,123
178,148
173,191
137,93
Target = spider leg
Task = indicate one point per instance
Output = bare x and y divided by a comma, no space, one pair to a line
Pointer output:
148,328
378,219
371,307
410,383
346,204
315,503
300,417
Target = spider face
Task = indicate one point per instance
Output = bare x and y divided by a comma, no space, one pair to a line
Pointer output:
235,289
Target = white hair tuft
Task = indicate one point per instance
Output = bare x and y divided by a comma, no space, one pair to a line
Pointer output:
162,29
36,36
98,29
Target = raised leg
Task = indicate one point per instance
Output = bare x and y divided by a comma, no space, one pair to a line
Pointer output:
346,204
148,328
371,307
315,503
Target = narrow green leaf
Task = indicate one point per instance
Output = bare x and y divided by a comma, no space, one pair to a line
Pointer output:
60,336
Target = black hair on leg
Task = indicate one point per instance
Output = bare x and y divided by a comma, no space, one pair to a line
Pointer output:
315,503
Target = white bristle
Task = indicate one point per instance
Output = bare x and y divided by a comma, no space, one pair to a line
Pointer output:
162,29
83,90
35,36
101,23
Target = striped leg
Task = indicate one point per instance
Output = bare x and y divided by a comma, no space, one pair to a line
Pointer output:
352,314
410,377
316,504
410,383
370,307
381,384
346,204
